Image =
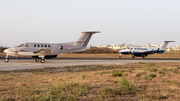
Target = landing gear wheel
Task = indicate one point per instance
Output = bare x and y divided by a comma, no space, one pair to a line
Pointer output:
37,60
143,56
6,60
132,56
120,57
42,60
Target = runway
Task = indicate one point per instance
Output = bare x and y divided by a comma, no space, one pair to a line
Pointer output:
29,63
70,58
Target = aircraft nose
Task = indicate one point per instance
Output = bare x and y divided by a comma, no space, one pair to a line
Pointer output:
6,50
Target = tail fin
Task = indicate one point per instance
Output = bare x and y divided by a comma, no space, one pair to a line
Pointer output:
83,40
163,46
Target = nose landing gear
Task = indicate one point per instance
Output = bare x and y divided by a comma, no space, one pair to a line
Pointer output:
6,59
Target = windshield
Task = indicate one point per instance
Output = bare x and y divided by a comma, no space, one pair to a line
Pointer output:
20,45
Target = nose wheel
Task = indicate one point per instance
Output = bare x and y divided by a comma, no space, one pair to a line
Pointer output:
6,60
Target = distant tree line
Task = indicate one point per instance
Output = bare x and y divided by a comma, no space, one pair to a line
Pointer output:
98,51
2,48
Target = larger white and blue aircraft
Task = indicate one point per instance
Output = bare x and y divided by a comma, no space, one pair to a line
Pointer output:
143,52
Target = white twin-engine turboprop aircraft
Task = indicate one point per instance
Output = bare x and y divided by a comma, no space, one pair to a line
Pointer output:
41,51
143,52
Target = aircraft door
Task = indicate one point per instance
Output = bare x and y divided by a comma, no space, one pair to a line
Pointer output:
54,49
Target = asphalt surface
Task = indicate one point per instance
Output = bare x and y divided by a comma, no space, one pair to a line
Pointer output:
29,63
64,58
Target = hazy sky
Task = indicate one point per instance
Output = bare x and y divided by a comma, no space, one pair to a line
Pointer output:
124,21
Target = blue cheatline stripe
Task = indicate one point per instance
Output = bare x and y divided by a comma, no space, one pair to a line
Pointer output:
125,52
161,51
139,53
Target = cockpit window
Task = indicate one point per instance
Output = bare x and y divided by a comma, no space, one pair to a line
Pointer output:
20,45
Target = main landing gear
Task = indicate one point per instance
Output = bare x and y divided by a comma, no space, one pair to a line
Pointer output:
120,56
143,56
42,60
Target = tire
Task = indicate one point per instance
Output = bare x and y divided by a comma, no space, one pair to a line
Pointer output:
6,60
42,61
37,60
143,56
132,56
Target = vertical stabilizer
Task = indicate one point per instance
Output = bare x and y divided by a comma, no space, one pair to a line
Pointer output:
163,45
84,39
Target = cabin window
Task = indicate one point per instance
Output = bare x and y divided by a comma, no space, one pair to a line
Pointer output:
41,45
45,45
49,46
38,45
61,48
34,45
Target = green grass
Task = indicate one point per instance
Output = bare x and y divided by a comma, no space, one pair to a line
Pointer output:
164,69
115,71
139,74
83,76
160,72
68,91
141,62
154,69
103,72
110,91
117,74
126,85
176,83
175,70
150,76
170,90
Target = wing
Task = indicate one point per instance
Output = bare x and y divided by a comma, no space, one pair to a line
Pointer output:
43,51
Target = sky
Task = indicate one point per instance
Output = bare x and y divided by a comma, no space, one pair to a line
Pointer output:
120,21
